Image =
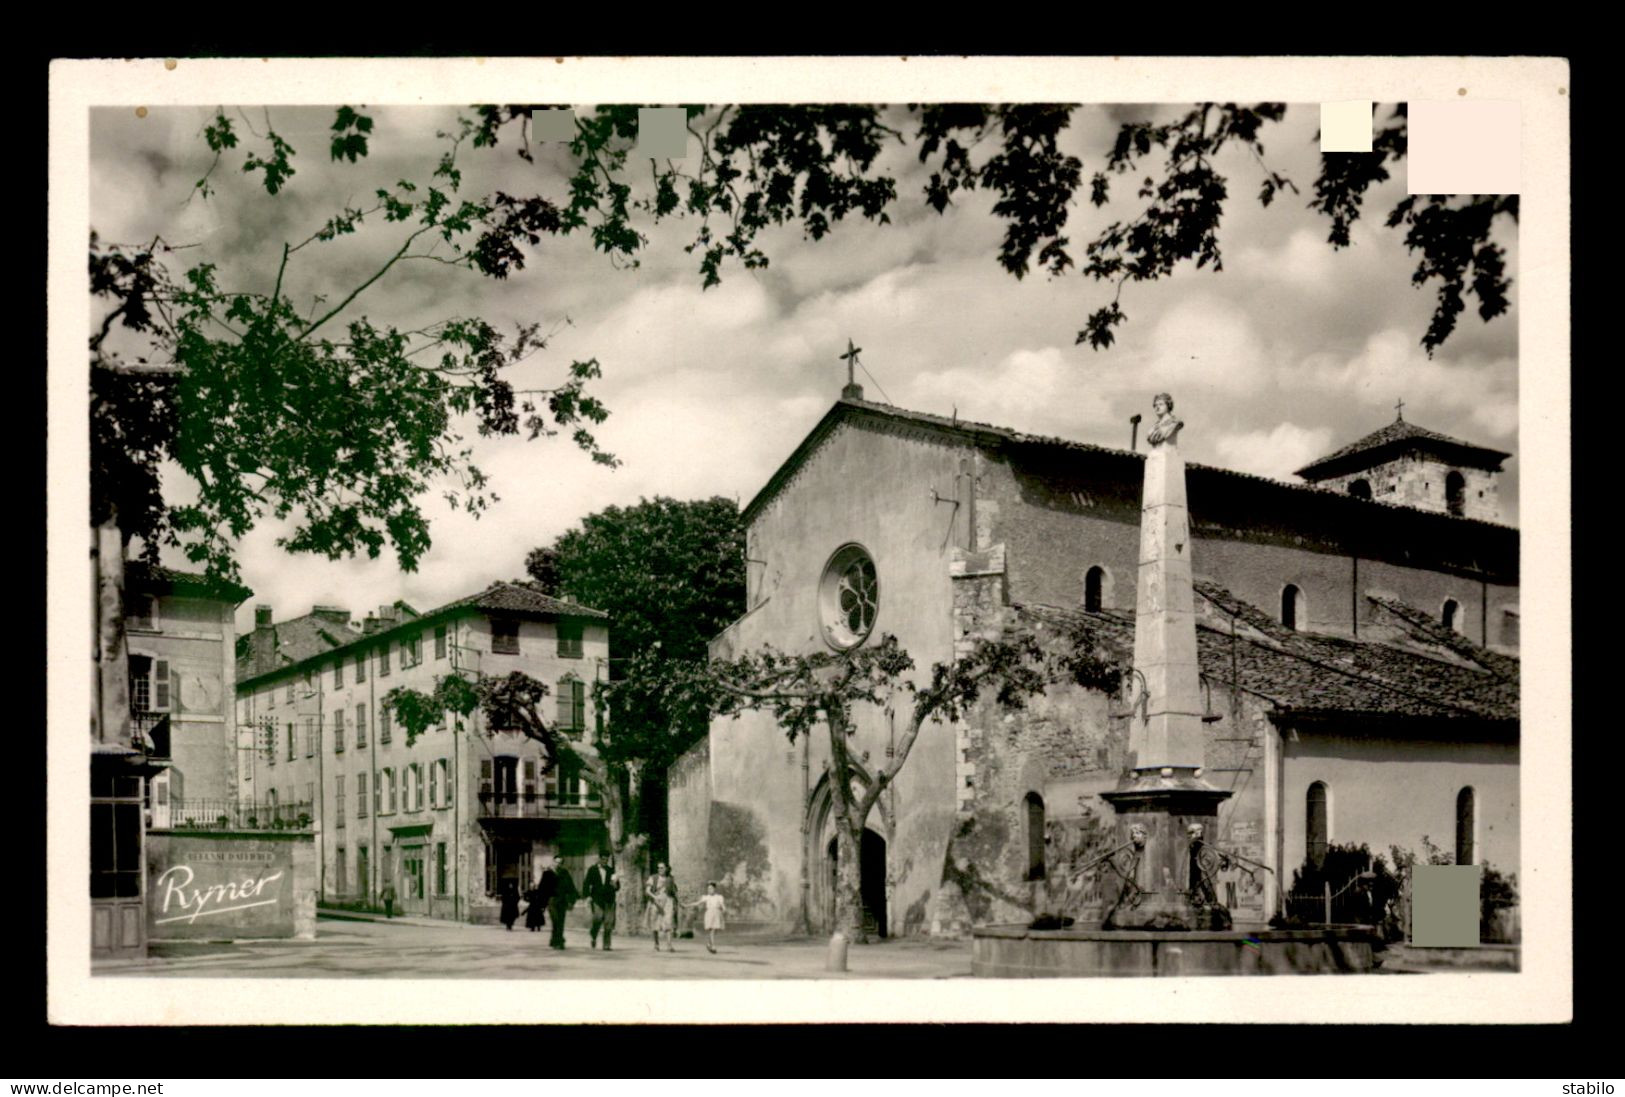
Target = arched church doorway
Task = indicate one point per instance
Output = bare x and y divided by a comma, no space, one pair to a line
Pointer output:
820,858
872,886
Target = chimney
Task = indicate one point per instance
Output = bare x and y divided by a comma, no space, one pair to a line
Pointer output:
388,616
262,642
370,625
331,613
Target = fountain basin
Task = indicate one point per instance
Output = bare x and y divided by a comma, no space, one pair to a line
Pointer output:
1016,952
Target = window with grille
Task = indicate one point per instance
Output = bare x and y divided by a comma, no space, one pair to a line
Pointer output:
361,796
150,689
570,633
504,637
361,726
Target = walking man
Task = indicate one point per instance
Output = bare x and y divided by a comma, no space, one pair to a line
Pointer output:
600,886
561,894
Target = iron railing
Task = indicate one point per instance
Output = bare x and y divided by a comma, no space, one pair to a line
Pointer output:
211,814
538,805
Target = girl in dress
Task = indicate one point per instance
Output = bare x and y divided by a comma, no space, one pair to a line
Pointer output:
715,907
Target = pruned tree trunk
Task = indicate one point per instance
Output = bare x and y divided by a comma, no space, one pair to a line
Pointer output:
849,884
110,705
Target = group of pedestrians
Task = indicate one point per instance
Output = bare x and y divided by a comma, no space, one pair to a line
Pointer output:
555,893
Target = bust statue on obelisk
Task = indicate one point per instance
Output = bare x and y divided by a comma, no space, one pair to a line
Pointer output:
1163,792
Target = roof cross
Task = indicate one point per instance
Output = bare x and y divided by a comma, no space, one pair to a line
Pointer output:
1399,411
851,360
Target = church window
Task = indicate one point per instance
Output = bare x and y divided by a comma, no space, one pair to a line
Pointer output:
849,597
1450,616
1455,491
1035,836
1318,831
1093,584
1466,824
1360,489
1292,607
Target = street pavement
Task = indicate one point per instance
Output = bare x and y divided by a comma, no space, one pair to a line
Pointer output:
419,948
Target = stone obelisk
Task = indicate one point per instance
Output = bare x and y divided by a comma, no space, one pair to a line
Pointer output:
1163,793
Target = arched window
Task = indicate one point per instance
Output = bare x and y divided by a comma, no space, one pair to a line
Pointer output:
1094,582
1291,606
1317,831
1035,836
1360,489
1466,824
1450,616
1455,492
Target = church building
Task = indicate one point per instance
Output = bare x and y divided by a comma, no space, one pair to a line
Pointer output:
1357,639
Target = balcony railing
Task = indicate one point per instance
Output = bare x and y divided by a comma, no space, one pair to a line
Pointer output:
538,805
232,815
150,730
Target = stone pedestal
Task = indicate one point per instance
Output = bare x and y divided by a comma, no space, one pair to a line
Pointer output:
1163,793
1161,893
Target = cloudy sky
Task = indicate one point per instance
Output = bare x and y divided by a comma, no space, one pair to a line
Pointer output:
1290,352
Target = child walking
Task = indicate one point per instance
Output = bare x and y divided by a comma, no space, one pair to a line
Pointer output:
715,907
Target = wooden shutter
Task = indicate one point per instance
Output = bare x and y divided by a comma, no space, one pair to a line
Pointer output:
160,685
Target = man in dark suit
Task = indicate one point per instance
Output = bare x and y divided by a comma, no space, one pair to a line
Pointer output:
600,886
559,891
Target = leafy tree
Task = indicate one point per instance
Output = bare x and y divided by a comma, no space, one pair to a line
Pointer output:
671,575
319,416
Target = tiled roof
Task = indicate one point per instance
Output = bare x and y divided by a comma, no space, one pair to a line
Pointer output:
517,598
138,574
314,634
1405,675
988,434
1400,435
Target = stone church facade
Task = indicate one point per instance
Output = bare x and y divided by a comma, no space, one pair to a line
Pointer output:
1355,653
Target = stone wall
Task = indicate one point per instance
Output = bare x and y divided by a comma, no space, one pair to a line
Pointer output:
1418,480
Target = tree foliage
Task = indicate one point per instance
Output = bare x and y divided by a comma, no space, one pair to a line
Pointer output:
760,166
319,416
671,576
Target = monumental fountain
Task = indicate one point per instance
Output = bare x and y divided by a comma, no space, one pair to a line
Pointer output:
1166,918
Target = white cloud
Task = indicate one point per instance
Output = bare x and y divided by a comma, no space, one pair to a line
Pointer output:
1276,452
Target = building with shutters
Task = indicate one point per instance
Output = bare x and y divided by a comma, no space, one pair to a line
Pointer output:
178,638
449,818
